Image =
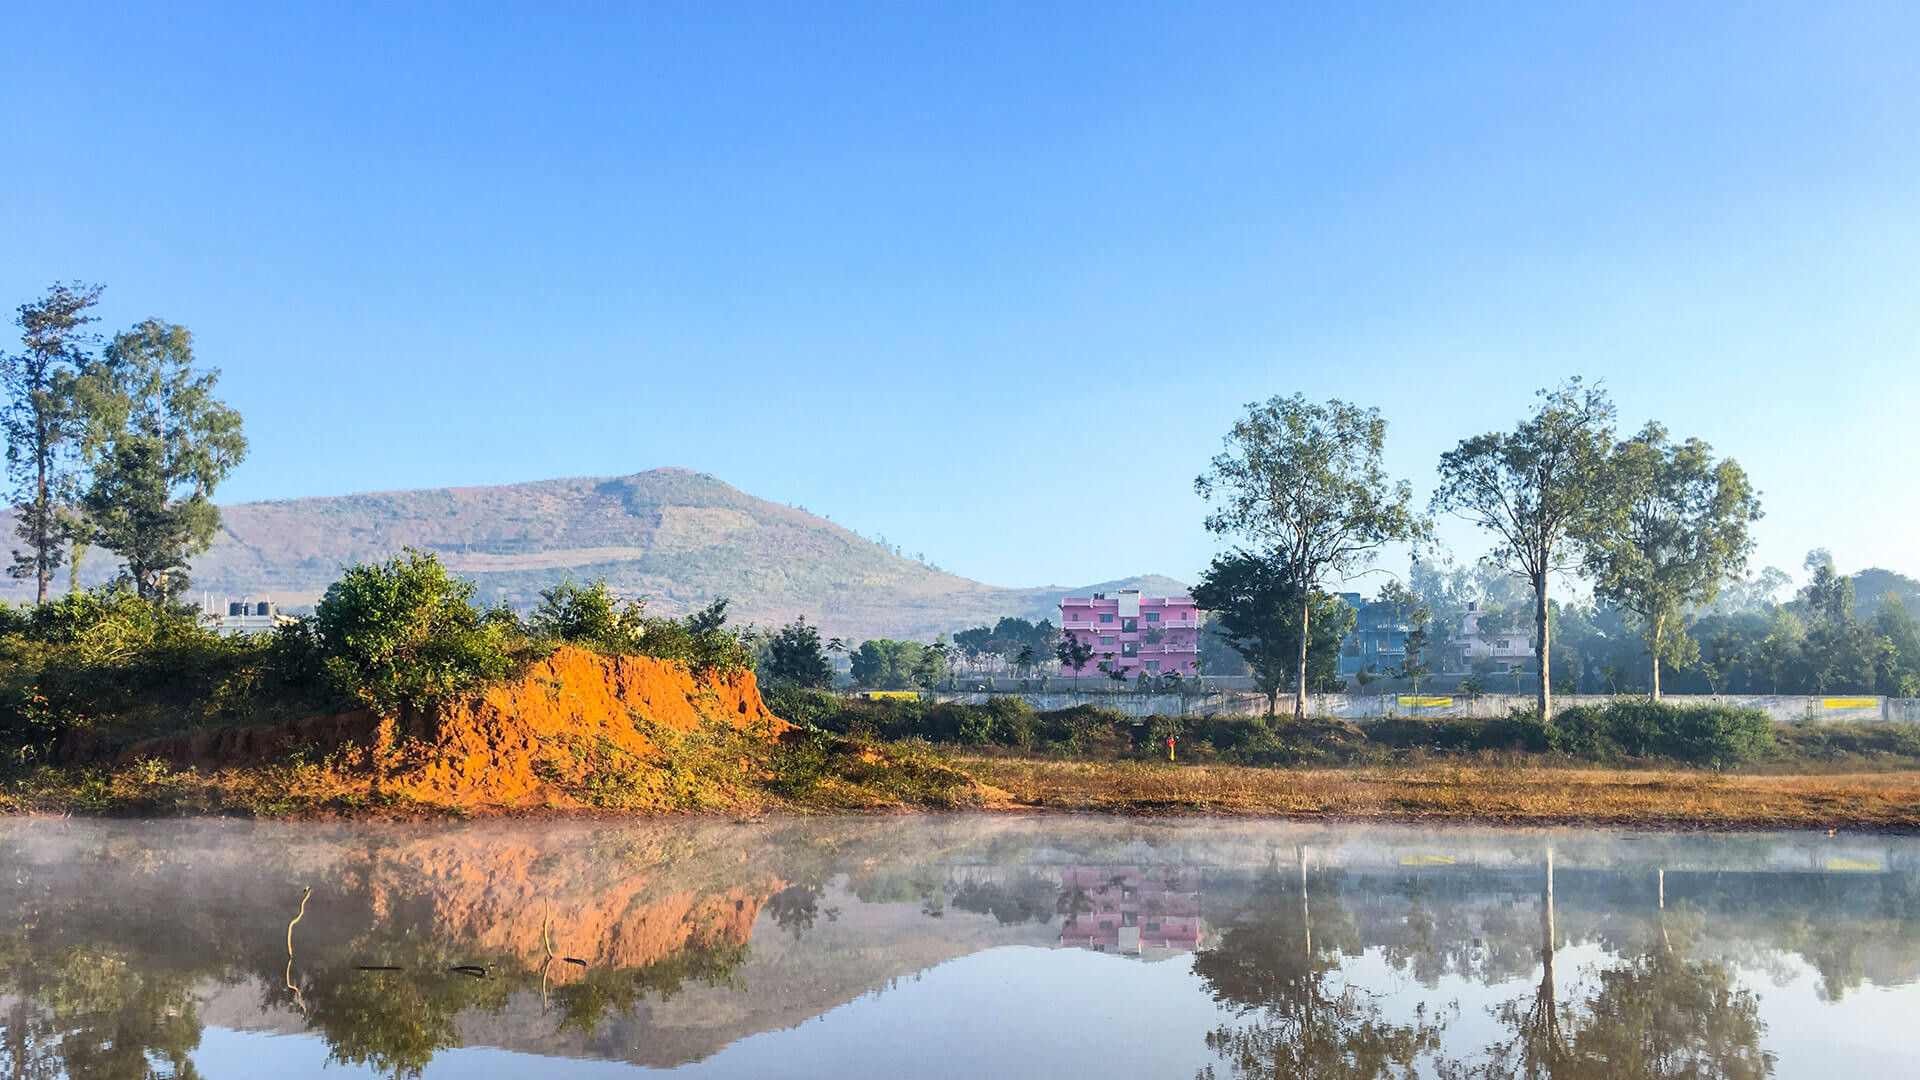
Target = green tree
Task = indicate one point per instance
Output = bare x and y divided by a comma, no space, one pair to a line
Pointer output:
589,616
1901,674
165,444
1073,653
404,634
796,657
1412,611
1304,484
1535,488
1841,654
1780,652
41,425
1674,528
1257,608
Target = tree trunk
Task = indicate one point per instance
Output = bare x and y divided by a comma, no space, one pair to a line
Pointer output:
1541,646
1653,651
41,571
1300,683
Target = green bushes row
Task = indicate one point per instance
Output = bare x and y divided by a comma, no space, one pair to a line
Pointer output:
1697,734
396,637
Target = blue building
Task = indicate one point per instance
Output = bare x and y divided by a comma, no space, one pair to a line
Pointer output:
1378,639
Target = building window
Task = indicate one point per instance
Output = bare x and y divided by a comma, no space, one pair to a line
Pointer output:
1129,626
1106,639
1075,616
1153,928
1153,665
1106,924
1153,616
1106,616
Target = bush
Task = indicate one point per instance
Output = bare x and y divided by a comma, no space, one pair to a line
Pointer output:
1718,735
401,635
589,617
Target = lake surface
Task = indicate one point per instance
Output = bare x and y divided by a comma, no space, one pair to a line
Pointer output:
963,946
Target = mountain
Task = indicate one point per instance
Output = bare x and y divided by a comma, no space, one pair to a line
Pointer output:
679,538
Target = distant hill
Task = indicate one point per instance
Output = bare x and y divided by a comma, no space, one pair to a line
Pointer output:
677,537
1871,586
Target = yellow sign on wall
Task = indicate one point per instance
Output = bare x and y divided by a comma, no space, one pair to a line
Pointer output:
1426,860
1852,864
1424,702
876,695
1850,703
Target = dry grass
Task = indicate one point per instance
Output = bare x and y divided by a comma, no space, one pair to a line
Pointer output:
1504,794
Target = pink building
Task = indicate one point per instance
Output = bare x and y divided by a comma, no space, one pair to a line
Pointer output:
1131,633
1129,909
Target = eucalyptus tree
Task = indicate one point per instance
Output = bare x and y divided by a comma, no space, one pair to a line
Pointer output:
1303,484
164,444
42,427
1672,529
1536,488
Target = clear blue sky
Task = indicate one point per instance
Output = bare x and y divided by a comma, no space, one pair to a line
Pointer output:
957,273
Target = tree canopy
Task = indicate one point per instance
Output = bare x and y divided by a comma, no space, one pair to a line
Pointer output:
1536,488
1305,487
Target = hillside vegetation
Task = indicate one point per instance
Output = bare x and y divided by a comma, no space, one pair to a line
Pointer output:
679,538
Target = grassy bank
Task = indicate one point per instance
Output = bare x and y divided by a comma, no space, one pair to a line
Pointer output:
821,773
1515,793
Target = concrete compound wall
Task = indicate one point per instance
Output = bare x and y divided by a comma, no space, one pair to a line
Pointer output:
1785,708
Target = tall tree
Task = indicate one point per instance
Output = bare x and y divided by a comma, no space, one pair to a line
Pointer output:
1535,488
1673,528
1257,609
1304,484
796,658
41,426
166,444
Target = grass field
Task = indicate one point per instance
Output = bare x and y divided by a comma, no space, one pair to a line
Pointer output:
1494,793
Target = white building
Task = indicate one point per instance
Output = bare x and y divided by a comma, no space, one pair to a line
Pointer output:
1509,650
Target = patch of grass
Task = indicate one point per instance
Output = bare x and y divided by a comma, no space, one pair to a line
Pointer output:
1513,793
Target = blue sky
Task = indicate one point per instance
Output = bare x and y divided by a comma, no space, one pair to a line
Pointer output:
956,273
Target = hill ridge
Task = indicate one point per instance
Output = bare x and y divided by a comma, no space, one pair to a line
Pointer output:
676,536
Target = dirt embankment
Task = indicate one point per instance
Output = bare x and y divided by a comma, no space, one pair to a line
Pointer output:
516,743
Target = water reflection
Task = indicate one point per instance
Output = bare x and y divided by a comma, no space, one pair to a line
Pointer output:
1324,952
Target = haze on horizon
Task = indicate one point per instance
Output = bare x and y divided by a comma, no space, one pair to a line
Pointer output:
971,278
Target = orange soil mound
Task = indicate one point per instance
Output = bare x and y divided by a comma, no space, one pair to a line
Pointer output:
568,715
510,741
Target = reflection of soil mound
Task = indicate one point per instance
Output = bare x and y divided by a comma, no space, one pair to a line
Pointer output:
613,911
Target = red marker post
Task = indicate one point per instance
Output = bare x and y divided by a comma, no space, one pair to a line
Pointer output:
1169,748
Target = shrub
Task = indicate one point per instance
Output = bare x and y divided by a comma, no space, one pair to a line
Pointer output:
403,634
1718,735
589,617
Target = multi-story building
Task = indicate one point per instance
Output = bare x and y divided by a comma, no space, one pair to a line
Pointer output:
1508,651
1130,633
1378,639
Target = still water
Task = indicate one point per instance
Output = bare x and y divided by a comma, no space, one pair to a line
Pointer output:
966,946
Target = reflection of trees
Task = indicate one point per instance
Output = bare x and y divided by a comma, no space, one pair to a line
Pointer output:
1026,898
1275,961
1656,1015
102,1016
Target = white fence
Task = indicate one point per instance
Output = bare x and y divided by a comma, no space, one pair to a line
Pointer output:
1786,708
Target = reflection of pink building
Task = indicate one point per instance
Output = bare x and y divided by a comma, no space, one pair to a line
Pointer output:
1132,633
1130,910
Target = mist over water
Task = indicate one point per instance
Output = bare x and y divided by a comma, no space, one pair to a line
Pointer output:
951,946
